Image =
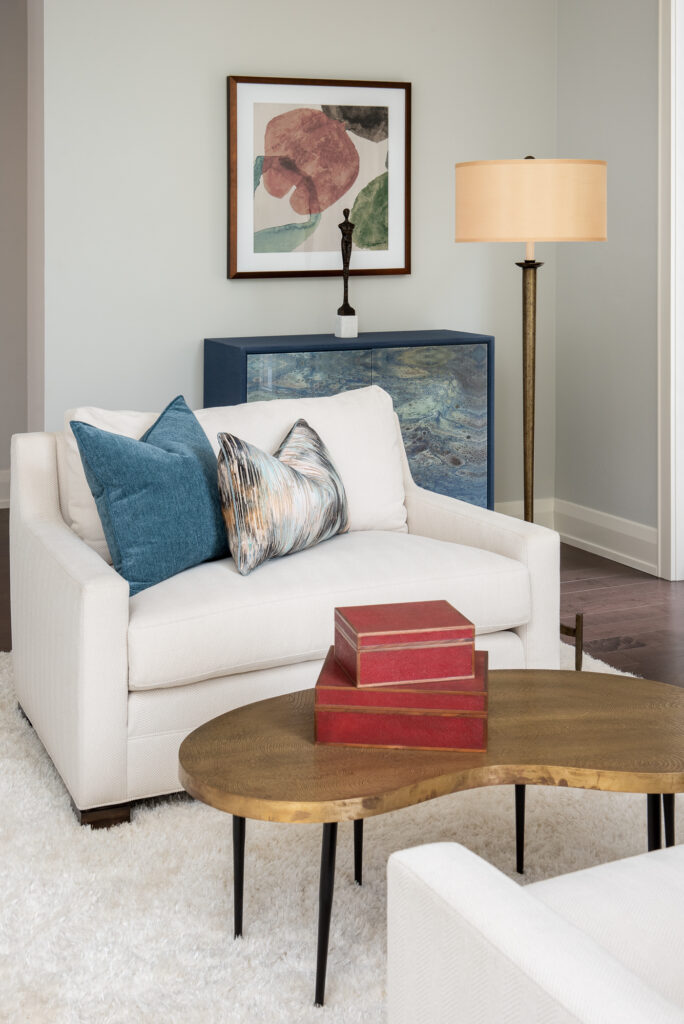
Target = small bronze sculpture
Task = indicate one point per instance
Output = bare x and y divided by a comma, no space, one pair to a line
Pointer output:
347,228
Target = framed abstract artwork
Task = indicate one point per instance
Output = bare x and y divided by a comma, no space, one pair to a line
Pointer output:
300,151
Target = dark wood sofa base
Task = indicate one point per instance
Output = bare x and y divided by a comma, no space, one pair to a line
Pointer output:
103,817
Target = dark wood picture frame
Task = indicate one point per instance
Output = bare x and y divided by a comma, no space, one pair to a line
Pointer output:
243,261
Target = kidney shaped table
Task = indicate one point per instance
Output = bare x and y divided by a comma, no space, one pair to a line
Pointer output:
550,728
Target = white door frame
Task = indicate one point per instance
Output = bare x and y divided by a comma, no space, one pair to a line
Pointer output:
671,293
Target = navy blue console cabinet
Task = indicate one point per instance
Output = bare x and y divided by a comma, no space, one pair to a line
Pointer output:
441,382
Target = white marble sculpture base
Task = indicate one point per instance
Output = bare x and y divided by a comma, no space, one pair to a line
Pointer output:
346,326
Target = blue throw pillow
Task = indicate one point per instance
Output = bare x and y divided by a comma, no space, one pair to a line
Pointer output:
157,498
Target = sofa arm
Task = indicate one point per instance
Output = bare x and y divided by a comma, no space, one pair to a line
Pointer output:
538,548
466,943
69,633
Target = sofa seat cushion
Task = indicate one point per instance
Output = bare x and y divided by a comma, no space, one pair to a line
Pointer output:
210,621
633,909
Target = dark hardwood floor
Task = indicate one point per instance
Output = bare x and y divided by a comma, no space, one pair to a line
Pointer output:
631,620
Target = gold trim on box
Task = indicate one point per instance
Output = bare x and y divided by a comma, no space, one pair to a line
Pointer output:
399,687
404,746
470,634
426,712
357,652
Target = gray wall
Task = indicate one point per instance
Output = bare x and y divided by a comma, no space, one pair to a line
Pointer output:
35,221
606,296
135,187
12,230
135,194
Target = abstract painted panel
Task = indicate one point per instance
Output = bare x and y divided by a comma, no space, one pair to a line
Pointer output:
440,395
306,374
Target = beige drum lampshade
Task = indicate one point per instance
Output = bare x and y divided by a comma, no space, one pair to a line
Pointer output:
531,201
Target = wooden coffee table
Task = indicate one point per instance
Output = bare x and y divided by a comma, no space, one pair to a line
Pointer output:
580,729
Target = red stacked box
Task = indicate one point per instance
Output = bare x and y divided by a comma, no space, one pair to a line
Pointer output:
403,675
381,644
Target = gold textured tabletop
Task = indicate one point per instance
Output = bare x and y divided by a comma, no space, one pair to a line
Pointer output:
580,729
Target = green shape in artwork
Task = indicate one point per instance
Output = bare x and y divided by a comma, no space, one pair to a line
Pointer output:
258,169
369,214
285,237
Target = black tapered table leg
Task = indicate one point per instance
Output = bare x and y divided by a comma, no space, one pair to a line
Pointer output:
238,872
669,817
654,828
358,851
520,829
325,898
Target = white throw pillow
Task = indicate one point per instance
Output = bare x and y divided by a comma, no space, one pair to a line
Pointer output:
358,428
75,495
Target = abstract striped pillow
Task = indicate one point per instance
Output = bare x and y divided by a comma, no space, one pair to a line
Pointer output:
278,504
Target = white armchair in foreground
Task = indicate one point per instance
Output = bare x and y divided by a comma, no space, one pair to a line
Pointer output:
467,945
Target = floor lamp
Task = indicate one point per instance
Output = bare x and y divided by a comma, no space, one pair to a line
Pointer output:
530,201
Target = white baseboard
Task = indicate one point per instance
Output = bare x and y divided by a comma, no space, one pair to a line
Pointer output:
622,540
543,510
4,488
612,537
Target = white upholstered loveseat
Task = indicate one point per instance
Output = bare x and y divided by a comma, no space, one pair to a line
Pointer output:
112,684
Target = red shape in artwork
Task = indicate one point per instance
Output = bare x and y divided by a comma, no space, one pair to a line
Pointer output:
311,151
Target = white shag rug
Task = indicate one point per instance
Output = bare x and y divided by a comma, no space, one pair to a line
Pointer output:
134,923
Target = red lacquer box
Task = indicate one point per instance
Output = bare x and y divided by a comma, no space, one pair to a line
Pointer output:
384,644
443,715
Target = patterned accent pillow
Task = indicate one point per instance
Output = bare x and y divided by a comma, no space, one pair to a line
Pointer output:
278,504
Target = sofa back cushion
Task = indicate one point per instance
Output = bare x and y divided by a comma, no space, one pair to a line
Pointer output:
358,427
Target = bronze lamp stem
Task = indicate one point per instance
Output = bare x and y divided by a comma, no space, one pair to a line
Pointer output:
529,295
